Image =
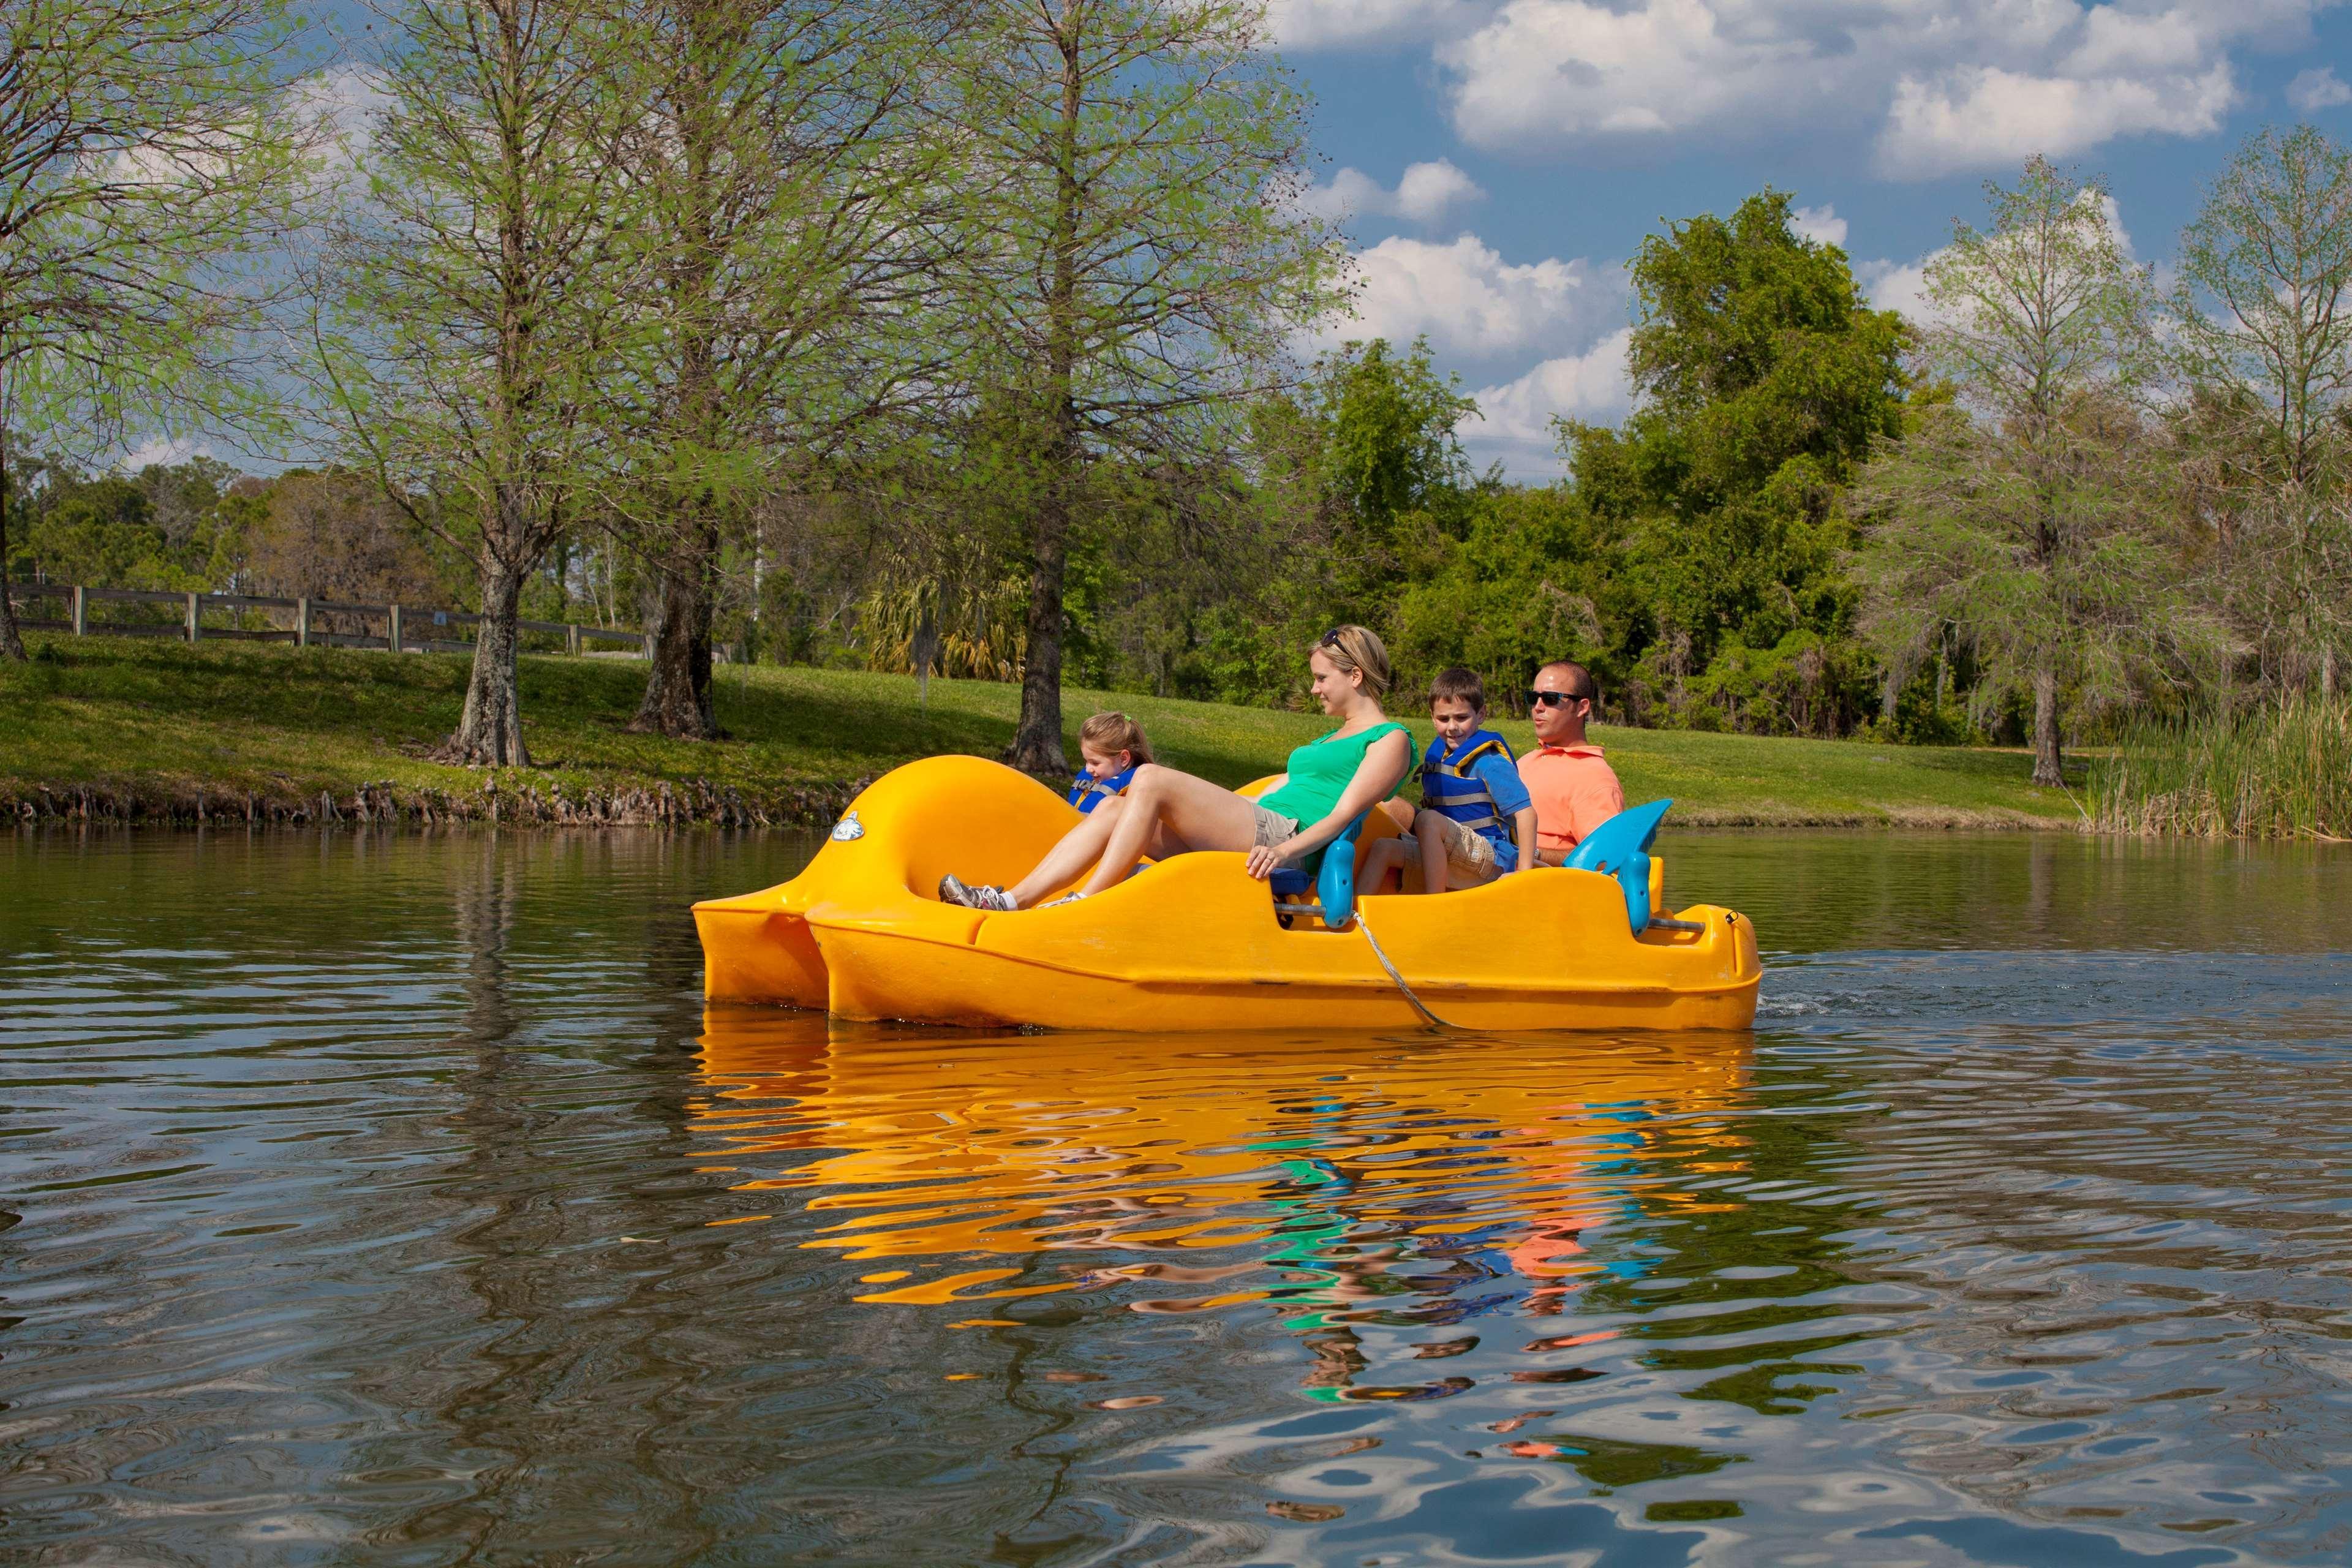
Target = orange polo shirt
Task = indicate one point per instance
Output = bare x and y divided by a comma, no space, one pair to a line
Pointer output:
1575,791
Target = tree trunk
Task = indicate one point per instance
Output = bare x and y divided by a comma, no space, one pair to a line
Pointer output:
12,644
677,700
490,733
1037,744
2048,765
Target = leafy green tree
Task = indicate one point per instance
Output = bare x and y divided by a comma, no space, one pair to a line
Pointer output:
2024,514
169,526
1531,582
1762,376
149,152
100,531
1131,260
474,300
2264,319
781,206
1356,488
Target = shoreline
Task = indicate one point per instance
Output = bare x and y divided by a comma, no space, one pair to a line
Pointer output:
691,802
701,803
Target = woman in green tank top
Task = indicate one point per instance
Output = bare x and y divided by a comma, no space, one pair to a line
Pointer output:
1331,782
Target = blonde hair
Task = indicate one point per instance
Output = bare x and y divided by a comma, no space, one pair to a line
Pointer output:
1359,648
1113,734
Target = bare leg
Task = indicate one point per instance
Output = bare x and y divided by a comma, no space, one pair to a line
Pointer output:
1372,876
1163,804
1428,828
1080,848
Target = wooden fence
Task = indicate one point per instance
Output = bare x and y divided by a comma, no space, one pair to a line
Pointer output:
322,623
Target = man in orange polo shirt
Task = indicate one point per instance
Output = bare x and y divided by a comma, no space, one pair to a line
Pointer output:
1574,788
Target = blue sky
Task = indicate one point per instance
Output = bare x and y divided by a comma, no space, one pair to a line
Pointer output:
1500,159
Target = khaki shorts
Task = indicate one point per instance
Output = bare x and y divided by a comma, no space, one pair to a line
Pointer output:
1469,857
1271,827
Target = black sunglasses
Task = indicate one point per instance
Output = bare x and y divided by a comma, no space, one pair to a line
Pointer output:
1330,638
1554,696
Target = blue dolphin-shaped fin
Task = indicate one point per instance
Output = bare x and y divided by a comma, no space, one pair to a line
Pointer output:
1335,884
1335,879
1620,848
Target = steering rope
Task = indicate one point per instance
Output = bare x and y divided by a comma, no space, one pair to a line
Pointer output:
1418,1004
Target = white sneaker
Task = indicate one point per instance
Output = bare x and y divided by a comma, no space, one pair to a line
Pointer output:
1066,899
954,889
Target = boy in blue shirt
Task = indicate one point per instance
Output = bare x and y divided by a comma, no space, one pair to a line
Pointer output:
1473,805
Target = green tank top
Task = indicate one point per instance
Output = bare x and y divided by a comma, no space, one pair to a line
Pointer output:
1320,771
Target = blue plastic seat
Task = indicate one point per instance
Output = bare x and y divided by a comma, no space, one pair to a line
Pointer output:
1334,883
1620,848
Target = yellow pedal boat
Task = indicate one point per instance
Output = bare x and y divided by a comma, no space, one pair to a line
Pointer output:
1193,941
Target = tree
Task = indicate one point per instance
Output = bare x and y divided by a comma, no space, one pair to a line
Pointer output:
2022,513
334,535
779,201
1133,259
1762,378
471,305
2263,313
149,149
164,528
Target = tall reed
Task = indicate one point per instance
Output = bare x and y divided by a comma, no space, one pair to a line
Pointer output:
2279,771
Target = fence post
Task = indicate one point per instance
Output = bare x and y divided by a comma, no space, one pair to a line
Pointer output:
195,627
302,623
572,640
80,612
392,642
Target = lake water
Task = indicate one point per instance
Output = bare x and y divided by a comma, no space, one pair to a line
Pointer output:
389,1199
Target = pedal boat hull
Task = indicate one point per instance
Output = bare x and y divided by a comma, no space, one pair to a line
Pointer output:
1190,943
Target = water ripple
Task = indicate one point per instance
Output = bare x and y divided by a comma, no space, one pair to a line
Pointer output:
392,1199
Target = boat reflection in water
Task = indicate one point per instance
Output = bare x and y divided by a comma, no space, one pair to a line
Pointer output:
1410,1182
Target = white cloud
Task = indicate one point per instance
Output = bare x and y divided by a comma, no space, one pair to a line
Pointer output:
345,101
1981,115
2314,91
1423,194
1938,85
1474,306
1344,23
166,450
1513,422
1897,286
331,111
1822,224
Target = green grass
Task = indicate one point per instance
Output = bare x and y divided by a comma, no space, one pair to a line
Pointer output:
159,722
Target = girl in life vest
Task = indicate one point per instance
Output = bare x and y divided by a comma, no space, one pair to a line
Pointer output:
1473,805
1112,746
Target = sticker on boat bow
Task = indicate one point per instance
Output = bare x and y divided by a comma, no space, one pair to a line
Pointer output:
847,829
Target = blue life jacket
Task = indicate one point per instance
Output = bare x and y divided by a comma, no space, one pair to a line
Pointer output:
1449,788
1087,792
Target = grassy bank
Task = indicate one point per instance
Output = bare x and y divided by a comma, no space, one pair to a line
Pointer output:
116,728
2280,772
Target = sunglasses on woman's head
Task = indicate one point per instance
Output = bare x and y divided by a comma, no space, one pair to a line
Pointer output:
1330,638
